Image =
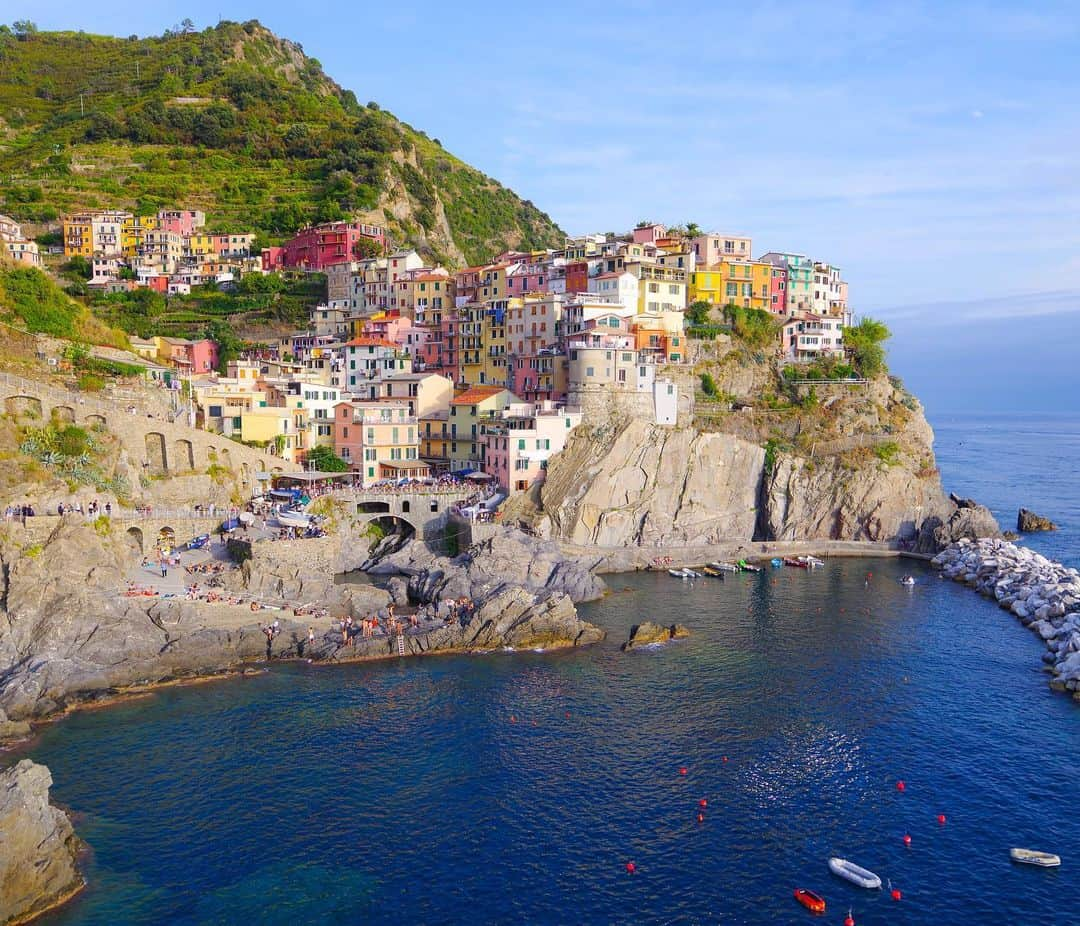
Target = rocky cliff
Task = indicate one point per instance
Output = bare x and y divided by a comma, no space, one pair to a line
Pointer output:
38,847
857,464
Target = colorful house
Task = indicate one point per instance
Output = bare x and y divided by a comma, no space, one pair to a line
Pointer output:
379,439
518,444
467,412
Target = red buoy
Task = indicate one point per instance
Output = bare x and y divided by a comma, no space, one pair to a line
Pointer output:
896,893
900,786
703,803
941,819
682,771
630,868
907,839
724,759
849,920
513,719
567,715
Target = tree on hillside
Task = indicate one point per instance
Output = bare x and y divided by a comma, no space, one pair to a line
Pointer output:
24,28
697,313
865,340
322,459
366,248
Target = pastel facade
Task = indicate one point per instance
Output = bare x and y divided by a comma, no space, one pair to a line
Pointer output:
379,439
519,443
467,412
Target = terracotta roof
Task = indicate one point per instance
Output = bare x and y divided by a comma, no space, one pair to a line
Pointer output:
369,342
475,394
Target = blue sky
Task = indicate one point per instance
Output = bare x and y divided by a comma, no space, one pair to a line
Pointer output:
929,149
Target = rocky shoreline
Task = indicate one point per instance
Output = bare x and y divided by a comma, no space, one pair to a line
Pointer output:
1042,594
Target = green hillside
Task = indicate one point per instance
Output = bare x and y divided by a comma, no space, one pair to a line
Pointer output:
239,123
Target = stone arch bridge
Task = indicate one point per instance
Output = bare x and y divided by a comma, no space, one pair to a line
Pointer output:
427,513
163,447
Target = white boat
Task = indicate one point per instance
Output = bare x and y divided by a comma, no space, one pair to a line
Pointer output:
681,573
1033,857
725,567
293,518
813,562
849,871
907,580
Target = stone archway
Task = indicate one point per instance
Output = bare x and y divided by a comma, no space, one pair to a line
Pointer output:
405,506
166,537
64,414
96,422
372,507
183,455
392,524
135,538
156,458
23,406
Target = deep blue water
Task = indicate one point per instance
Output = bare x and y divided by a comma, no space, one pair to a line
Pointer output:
514,788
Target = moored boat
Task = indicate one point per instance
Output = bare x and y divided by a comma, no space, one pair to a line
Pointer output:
815,903
1034,857
907,580
795,561
724,567
856,874
813,562
744,566
776,562
715,573
292,517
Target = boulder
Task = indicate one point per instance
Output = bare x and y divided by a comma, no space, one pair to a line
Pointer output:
1027,522
38,847
651,633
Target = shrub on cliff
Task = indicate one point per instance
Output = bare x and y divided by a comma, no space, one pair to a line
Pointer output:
865,340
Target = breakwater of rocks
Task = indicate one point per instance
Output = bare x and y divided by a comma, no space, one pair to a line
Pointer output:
1044,595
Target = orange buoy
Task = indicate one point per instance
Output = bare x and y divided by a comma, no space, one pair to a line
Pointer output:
630,868
941,819
513,719
900,786
849,920
701,818
703,803
896,895
682,771
907,839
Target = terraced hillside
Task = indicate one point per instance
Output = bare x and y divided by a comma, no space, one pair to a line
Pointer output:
239,123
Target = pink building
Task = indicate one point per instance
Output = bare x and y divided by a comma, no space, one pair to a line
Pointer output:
539,377
778,290
518,445
389,326
195,357
319,246
649,233
526,278
181,221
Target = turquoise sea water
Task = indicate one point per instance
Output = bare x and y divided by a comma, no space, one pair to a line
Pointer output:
514,788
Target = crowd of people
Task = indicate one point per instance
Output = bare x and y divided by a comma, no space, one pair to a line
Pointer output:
19,512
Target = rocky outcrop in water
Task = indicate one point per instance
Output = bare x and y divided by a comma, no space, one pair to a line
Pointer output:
1044,595
651,634
38,847
1027,522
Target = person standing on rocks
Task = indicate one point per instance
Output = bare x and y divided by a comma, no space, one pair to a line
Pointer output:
164,567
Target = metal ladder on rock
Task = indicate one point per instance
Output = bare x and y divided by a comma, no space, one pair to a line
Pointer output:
401,643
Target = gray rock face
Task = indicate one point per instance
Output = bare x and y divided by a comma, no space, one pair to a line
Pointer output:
38,847
640,485
1027,522
510,558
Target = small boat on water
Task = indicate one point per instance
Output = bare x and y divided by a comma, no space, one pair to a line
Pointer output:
815,903
1034,857
849,871
744,566
813,562
776,562
715,573
684,574
907,580
795,561
725,567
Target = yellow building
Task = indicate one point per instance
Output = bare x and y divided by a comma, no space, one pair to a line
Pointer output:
733,282
660,288
281,428
133,233
474,406
434,429
492,283
90,233
200,244
471,341
493,367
